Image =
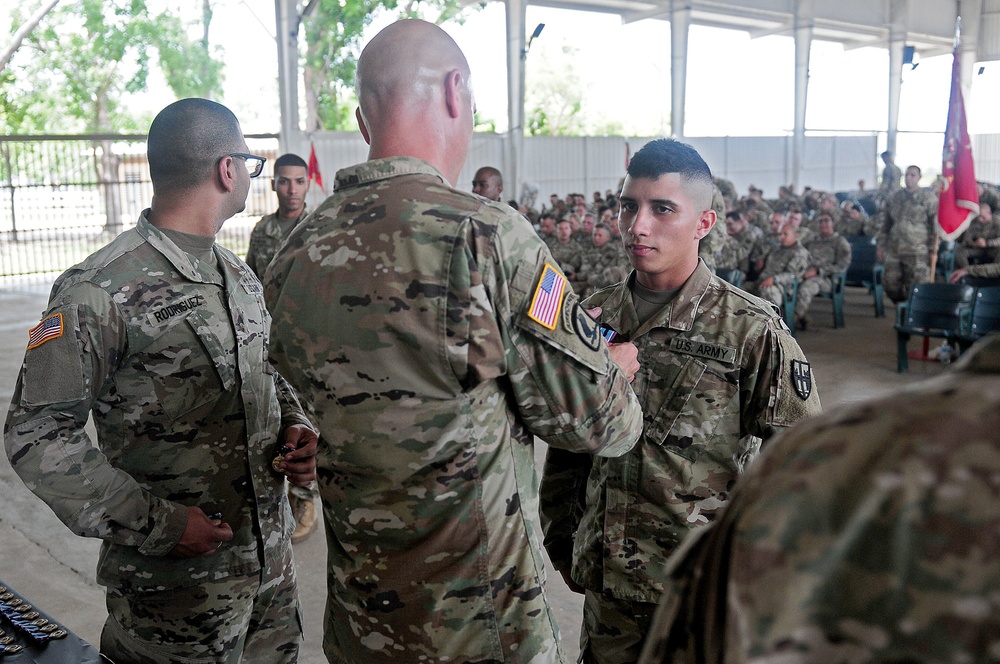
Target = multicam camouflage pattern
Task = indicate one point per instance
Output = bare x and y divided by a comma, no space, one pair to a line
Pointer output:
753,242
710,245
265,238
236,620
601,267
716,378
865,535
732,256
169,355
400,314
979,229
568,255
890,182
786,265
908,223
614,630
828,256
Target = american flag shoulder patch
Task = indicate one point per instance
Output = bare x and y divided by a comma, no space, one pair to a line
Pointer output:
50,328
547,300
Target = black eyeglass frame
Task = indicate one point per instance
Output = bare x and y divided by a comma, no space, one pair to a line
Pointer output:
247,157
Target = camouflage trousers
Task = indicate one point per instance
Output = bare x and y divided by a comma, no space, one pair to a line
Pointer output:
808,290
251,619
613,629
902,272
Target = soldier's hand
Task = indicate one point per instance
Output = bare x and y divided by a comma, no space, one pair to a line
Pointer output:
571,584
202,536
299,465
626,356
957,275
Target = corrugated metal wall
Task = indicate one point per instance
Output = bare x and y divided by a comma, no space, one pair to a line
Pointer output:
586,164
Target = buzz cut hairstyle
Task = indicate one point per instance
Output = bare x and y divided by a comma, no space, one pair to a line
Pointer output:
666,155
289,159
187,139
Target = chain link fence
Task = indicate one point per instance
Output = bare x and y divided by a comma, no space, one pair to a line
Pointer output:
63,197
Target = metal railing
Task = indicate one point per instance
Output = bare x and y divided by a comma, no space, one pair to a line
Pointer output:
63,197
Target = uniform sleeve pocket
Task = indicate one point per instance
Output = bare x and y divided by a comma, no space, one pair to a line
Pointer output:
53,363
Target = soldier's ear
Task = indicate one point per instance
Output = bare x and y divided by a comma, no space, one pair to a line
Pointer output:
705,223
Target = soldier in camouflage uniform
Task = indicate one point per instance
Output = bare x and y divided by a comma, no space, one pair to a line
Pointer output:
433,338
162,337
290,184
710,245
601,264
547,229
854,221
981,240
718,367
749,238
783,267
867,534
568,254
889,184
829,253
907,238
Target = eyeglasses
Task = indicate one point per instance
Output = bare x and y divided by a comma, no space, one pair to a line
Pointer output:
253,163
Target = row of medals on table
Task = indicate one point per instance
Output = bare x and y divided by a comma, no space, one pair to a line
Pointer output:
26,621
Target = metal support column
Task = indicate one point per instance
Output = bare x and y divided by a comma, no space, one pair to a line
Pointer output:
680,22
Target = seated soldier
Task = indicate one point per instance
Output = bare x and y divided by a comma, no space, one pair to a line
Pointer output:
783,267
980,241
829,253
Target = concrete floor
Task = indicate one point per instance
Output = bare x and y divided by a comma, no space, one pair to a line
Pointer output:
54,569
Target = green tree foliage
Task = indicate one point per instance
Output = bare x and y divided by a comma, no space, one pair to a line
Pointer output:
333,31
77,70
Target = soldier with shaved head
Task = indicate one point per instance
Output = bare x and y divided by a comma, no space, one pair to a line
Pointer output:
434,336
162,338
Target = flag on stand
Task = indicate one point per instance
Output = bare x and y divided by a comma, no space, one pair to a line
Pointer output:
959,200
314,174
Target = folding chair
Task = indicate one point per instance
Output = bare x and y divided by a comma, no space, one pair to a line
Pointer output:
933,310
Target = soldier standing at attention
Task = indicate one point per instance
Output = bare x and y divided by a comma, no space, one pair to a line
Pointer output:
908,237
434,336
162,336
719,373
867,534
291,184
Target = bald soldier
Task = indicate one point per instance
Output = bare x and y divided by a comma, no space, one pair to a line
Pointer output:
488,183
720,373
162,337
868,534
434,336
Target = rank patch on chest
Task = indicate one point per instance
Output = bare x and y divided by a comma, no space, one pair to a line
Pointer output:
547,300
802,378
724,354
50,328
165,313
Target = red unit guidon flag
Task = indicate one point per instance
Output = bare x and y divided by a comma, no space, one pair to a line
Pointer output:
548,297
50,328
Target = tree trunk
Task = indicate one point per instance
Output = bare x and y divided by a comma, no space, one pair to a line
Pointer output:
24,31
313,81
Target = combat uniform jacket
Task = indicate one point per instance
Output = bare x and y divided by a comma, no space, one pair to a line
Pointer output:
867,534
401,315
568,256
718,367
170,358
979,228
710,245
753,242
265,238
785,264
732,256
829,255
601,267
908,222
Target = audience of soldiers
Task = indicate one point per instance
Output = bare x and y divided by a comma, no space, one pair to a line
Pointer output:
752,247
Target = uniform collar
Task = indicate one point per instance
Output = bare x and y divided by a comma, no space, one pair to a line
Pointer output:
679,315
381,169
189,266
